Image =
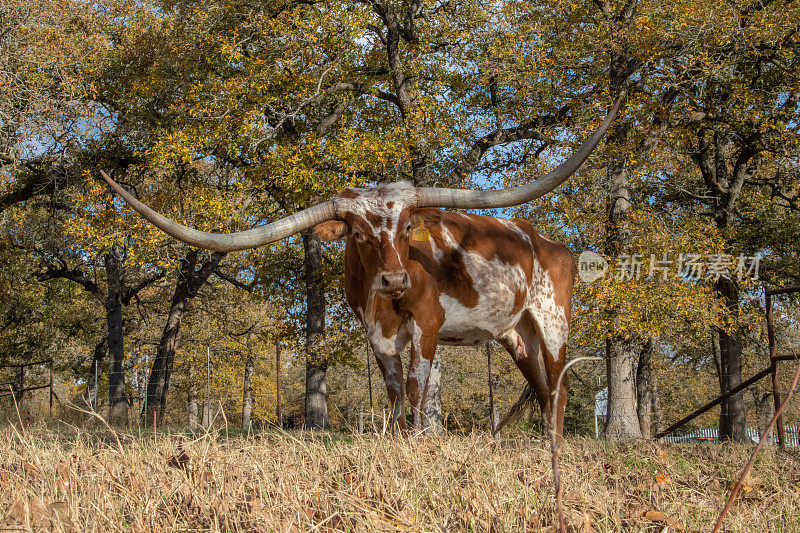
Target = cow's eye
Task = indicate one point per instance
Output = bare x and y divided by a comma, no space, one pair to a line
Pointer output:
408,228
357,235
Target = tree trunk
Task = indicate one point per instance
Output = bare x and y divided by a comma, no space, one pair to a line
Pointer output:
191,398
765,408
725,171
17,392
247,399
432,410
95,371
622,421
316,408
732,417
118,405
141,381
644,389
716,356
161,369
658,418
190,280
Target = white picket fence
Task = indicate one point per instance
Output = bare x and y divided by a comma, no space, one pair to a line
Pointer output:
790,432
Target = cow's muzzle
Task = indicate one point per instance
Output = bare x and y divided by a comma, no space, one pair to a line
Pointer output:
394,283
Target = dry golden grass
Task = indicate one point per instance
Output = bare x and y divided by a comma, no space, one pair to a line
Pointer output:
297,482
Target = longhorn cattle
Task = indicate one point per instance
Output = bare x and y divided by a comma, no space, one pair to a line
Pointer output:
420,275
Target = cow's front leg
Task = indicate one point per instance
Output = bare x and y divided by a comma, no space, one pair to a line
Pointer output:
423,349
387,352
392,369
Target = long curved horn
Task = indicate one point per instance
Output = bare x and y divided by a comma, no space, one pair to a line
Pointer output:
230,242
470,199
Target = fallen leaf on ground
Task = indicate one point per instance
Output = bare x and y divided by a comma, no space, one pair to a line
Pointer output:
180,460
654,516
661,518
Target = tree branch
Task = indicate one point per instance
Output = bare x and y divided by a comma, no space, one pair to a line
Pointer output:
207,268
249,287
130,291
62,271
361,88
528,130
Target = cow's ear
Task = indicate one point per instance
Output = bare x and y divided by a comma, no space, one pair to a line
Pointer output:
332,230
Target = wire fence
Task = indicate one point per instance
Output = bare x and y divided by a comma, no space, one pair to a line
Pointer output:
711,434
16,388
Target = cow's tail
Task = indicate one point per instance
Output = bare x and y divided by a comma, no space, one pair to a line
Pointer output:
525,400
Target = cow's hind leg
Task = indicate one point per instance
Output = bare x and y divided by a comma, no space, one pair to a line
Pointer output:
552,332
522,343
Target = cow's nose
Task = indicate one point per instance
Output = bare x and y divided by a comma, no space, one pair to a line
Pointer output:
395,282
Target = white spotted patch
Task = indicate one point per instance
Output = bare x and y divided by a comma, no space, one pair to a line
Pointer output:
496,282
551,317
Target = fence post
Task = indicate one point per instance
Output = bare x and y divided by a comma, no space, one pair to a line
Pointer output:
21,386
51,388
207,407
776,395
369,376
278,407
492,412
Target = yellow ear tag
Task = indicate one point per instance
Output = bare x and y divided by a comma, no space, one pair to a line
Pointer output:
420,233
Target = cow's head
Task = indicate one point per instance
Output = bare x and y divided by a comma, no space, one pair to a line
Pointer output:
379,229
378,222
